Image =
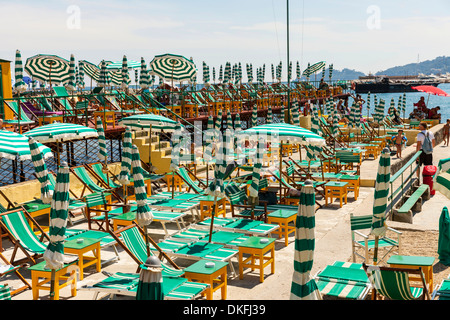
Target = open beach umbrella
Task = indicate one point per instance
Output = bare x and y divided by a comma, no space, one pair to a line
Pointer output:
41,171
444,237
103,154
15,146
173,67
71,83
150,285
431,90
303,286
118,65
380,199
144,214
48,68
61,132
125,168
91,70
142,121
54,254
19,85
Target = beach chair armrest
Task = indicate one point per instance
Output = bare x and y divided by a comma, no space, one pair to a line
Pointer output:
361,234
393,230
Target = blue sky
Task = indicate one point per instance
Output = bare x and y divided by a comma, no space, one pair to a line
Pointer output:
367,36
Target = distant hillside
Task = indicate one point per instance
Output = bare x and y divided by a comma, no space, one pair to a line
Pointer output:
344,74
439,65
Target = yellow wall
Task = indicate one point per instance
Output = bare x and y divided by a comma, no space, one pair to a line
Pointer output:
6,86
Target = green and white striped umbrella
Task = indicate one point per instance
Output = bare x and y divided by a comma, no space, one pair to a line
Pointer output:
144,214
176,148
19,85
15,146
118,65
144,79
206,78
255,115
269,114
330,70
220,74
323,72
91,70
209,138
61,132
71,83
103,79
379,111
174,67
256,173
125,74
227,73
303,286
125,168
335,123
41,171
306,72
298,71
279,71
313,68
249,73
392,108
315,127
48,68
142,121
404,104
284,132
151,283
295,114
229,120
368,102
103,154
237,123
381,197
218,124
216,187
272,71
54,254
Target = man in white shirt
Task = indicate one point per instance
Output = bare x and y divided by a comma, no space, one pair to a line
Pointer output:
424,158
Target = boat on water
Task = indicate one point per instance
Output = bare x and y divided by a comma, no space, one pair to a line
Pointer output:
392,84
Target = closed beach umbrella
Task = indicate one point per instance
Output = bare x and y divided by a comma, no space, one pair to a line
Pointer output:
144,215
54,254
103,154
249,73
298,71
125,169
41,171
48,68
220,74
237,124
206,78
71,83
209,138
16,146
19,85
144,79
218,124
444,237
380,199
229,120
255,115
368,104
256,173
330,70
150,285
103,75
125,74
303,286
269,114
295,114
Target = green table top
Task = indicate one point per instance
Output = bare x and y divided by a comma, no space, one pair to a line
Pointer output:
35,205
128,216
41,266
282,213
349,177
74,244
255,242
336,184
411,260
207,198
200,267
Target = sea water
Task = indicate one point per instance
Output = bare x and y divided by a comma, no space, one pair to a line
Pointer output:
411,98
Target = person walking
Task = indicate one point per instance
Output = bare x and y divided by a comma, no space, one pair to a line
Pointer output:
425,143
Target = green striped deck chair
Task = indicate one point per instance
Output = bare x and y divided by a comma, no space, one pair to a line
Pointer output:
22,236
363,242
89,184
5,292
97,170
237,197
245,226
343,280
44,103
131,239
394,283
121,283
442,290
99,211
7,268
226,238
196,186
24,119
62,97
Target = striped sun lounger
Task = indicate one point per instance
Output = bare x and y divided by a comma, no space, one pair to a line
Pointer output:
246,226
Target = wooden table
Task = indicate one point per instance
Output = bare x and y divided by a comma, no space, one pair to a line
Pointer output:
414,262
81,248
257,250
337,190
43,120
208,202
353,184
216,275
37,208
177,183
39,271
283,217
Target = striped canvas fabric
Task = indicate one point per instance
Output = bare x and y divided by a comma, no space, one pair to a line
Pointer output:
81,73
381,194
103,154
71,83
19,85
61,131
174,67
91,70
150,285
54,255
142,121
176,148
125,82
144,78
13,145
125,169
303,286
143,213
48,68
41,171
256,173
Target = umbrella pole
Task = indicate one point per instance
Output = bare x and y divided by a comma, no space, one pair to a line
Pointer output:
52,285
375,252
212,218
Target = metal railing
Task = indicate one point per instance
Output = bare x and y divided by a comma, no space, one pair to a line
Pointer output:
401,182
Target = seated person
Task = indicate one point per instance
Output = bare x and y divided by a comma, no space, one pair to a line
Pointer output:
323,85
433,113
421,106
